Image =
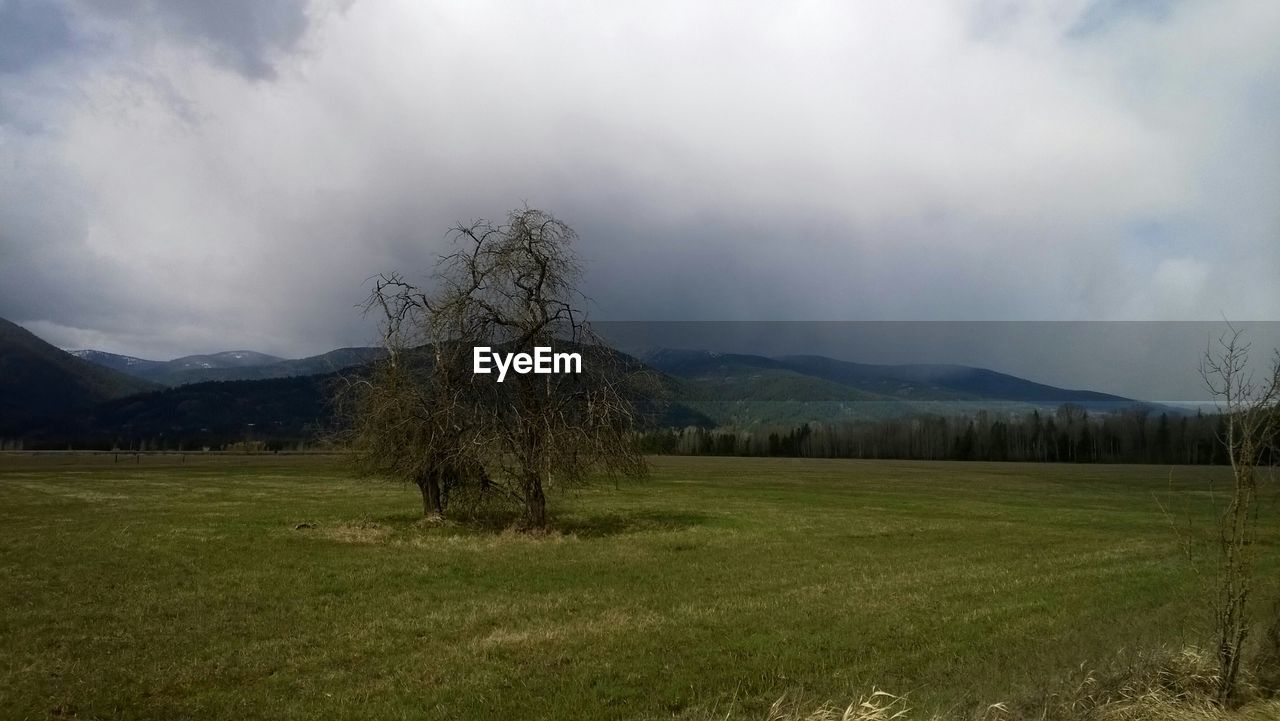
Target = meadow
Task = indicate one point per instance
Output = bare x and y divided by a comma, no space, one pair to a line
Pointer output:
282,587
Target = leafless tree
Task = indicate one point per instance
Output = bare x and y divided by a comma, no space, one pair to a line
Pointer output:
1249,408
425,416
408,418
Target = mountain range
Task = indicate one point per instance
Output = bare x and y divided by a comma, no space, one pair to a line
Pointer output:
747,390
235,365
57,398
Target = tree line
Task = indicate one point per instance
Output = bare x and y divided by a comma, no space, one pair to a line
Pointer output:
1070,434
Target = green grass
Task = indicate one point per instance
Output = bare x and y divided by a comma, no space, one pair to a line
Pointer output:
162,590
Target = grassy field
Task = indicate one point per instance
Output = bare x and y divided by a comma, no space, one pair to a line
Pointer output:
168,590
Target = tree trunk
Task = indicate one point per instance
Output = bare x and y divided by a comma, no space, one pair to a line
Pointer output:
431,502
535,504
1237,539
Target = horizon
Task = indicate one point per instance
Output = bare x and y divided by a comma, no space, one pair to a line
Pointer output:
1154,361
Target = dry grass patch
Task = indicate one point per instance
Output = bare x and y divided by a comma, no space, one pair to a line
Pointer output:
358,532
878,706
1164,686
610,623
80,494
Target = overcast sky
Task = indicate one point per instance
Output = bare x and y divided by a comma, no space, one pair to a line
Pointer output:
185,176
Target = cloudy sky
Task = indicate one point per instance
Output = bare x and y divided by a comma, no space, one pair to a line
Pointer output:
183,176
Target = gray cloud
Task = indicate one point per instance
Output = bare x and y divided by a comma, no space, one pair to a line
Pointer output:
31,32
195,176
245,35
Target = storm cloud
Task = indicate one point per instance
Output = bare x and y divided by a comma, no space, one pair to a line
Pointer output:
189,176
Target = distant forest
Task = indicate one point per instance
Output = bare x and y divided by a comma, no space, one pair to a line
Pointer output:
1069,435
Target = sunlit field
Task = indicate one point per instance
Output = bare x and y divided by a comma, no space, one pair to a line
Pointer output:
284,588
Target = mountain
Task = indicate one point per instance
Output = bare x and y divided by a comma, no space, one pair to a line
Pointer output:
747,390
137,367
708,375
225,359
334,360
198,415
231,365
39,381
937,381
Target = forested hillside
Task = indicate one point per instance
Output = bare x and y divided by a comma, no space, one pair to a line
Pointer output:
39,381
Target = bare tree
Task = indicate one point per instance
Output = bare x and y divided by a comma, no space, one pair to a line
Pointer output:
1249,409
426,416
408,415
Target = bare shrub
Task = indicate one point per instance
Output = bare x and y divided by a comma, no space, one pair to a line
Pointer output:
1249,410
